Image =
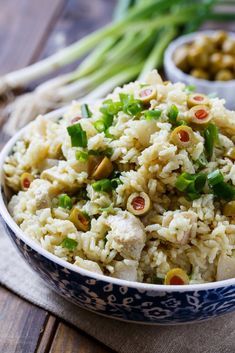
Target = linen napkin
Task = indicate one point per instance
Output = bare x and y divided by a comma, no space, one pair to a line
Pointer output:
214,336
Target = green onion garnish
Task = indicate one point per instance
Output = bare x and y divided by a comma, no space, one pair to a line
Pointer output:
173,114
190,89
215,177
224,191
69,244
86,113
110,108
81,156
107,120
65,201
103,185
152,114
192,184
78,135
99,125
130,105
201,161
106,185
211,137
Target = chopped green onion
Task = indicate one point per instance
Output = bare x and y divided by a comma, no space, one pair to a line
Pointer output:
192,184
115,182
81,156
224,191
69,243
157,280
152,114
103,185
108,209
99,125
183,181
65,201
202,161
190,89
86,113
173,114
78,135
110,108
107,120
215,177
130,105
211,137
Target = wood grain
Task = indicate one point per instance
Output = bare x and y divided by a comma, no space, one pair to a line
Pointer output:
70,340
24,26
20,324
47,335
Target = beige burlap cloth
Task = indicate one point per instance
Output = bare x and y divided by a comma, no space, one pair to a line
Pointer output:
214,336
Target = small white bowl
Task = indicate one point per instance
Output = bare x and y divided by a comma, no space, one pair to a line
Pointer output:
223,89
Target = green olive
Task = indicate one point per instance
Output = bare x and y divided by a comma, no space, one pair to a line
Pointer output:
147,94
216,61
219,38
229,46
138,203
206,43
93,162
197,99
227,61
80,220
103,169
182,136
231,153
25,180
197,57
229,209
224,75
181,58
176,276
199,73
200,114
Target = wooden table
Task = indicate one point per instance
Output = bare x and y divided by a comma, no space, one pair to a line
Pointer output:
31,29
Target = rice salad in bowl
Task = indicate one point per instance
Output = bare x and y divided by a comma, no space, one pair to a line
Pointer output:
138,186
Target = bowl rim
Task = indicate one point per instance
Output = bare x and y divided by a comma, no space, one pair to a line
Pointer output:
109,280
169,63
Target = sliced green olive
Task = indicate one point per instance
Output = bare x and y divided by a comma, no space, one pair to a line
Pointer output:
231,153
229,209
147,94
138,203
93,162
103,169
200,114
25,180
197,99
80,219
176,276
199,73
182,136
224,75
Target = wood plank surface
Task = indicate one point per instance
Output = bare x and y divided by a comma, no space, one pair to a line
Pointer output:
20,323
24,25
70,340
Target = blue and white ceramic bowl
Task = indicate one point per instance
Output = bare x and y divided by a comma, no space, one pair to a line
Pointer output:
115,298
